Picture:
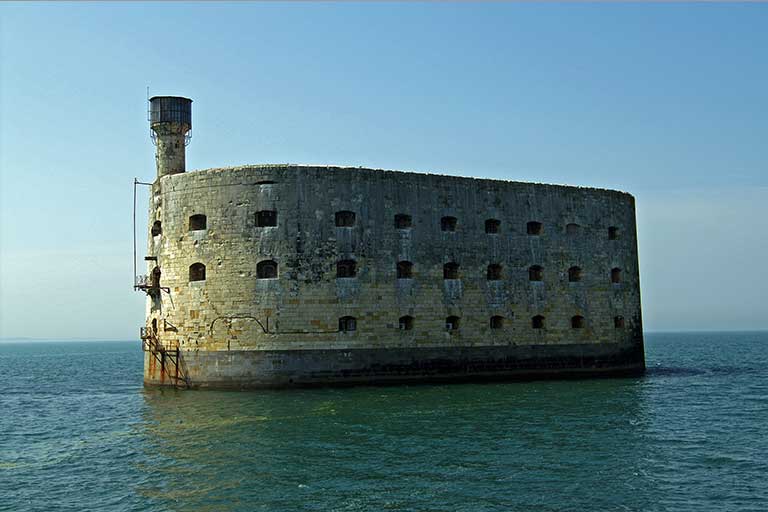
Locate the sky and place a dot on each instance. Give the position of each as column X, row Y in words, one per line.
column 665, row 101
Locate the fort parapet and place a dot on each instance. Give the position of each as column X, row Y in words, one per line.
column 281, row 275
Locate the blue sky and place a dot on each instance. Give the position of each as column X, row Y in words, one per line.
column 667, row 102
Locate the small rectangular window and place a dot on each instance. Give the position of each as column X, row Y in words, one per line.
column 404, row 270
column 572, row 229
column 198, row 222
column 266, row 218
column 347, row 324
column 534, row 228
column 492, row 226
column 345, row 219
column 346, row 268
column 448, row 223
column 402, row 221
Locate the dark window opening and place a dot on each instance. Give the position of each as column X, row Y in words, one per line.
column 266, row 218
column 448, row 223
column 155, row 281
column 451, row 271
column 534, row 228
column 537, row 322
column 265, row 182
column 572, row 229
column 574, row 274
column 497, row 322
column 404, row 270
column 154, row 325
column 157, row 228
column 618, row 322
column 615, row 275
column 577, row 322
column 406, row 323
column 198, row 222
column 613, row 233
column 197, row 272
column 494, row 272
column 535, row 273
column 266, row 269
column 452, row 323
column 347, row 324
column 345, row 219
column 492, row 226
column 346, row 268
column 402, row 221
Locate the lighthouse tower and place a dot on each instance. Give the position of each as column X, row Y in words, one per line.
column 170, row 119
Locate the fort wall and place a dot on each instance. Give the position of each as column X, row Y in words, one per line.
column 585, row 295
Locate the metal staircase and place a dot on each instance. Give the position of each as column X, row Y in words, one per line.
column 171, row 364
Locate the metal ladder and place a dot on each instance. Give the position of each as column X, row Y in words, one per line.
column 166, row 357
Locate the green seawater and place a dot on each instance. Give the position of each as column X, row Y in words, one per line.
column 78, row 432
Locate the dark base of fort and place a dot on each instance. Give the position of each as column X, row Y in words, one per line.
column 352, row 367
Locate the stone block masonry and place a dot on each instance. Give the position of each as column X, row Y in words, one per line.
column 286, row 275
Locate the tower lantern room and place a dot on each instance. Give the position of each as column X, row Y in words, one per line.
column 170, row 121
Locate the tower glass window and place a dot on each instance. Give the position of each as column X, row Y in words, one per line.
column 574, row 274
column 197, row 272
column 198, row 222
column 406, row 323
column 535, row 273
column 266, row 218
column 452, row 323
column 345, row 219
column 494, row 272
column 618, row 322
column 534, row 228
column 404, row 270
column 492, row 226
column 402, row 221
column 448, row 223
column 537, row 322
column 615, row 275
column 266, row 269
column 497, row 322
column 577, row 322
column 572, row 229
column 613, row 233
column 347, row 324
column 157, row 228
column 346, row 268
column 451, row 271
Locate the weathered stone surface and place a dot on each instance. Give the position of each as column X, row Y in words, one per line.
column 228, row 325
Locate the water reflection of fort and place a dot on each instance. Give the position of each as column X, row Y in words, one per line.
column 369, row 448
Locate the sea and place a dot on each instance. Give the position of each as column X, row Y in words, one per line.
column 78, row 432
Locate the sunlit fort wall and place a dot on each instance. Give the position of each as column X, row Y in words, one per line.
column 280, row 275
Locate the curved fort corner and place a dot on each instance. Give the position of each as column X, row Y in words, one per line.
column 288, row 275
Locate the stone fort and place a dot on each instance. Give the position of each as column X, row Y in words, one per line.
column 293, row 275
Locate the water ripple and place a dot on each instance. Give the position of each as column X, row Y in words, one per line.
column 78, row 432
